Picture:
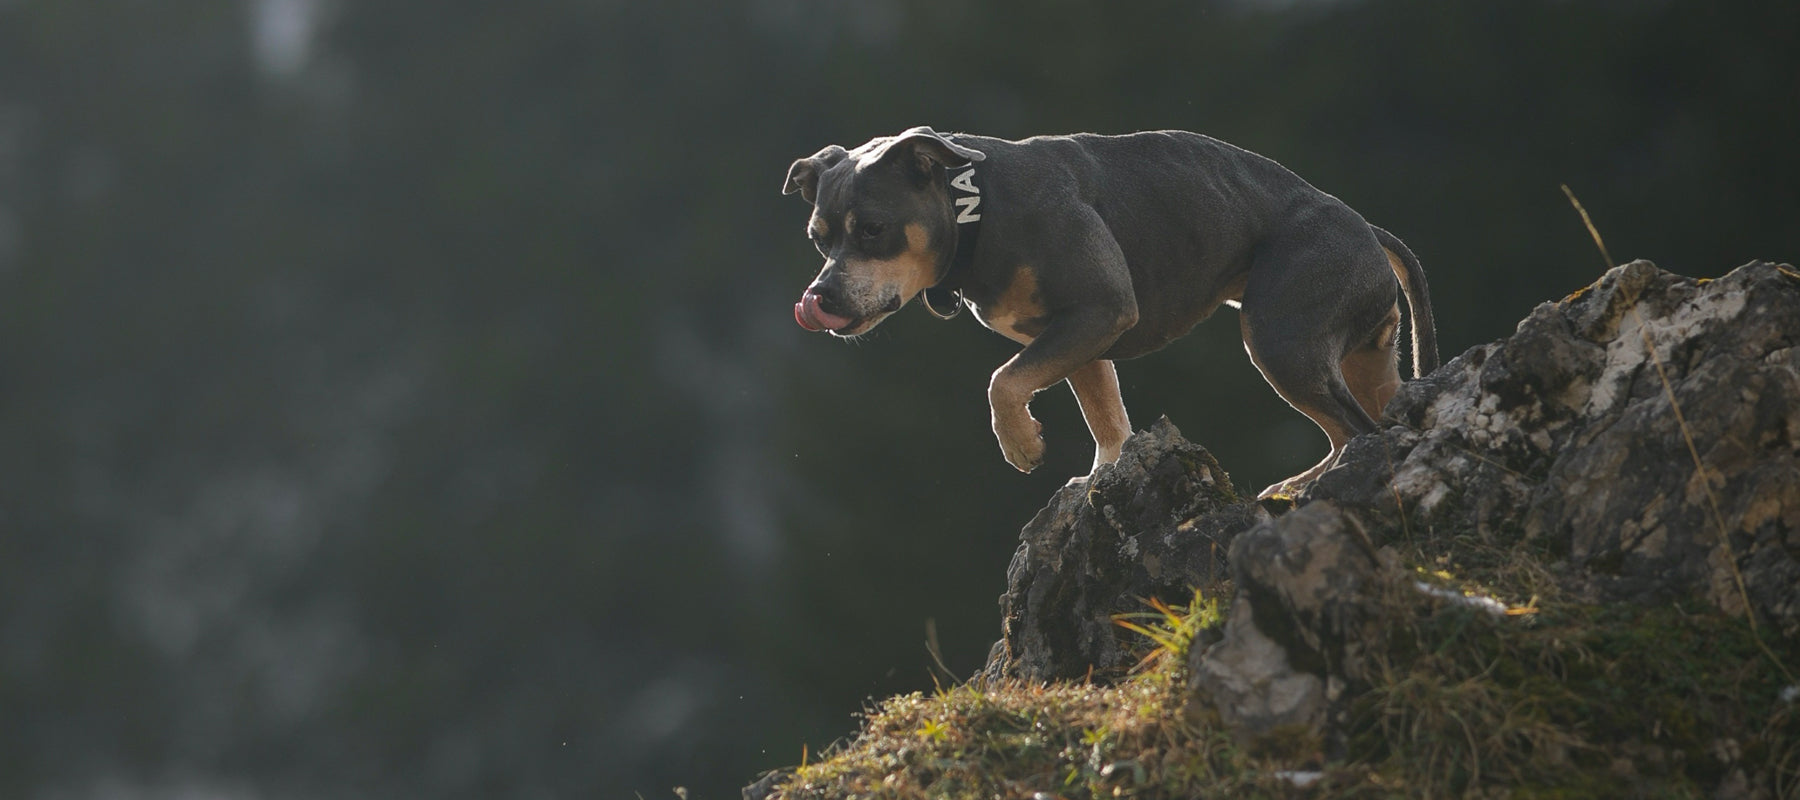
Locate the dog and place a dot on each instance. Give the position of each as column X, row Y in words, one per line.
column 1087, row 249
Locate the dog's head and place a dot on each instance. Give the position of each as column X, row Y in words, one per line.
column 883, row 220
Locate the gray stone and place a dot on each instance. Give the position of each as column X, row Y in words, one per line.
column 1567, row 436
column 1306, row 612
column 1156, row 523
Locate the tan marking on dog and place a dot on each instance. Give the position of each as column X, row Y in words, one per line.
column 872, row 285
column 818, row 227
column 1096, row 387
column 904, row 275
column 1018, row 306
column 1372, row 369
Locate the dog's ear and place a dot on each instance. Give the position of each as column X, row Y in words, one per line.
column 928, row 149
column 803, row 176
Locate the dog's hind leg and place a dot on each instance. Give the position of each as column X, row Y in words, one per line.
column 1096, row 387
column 1318, row 316
column 1314, row 387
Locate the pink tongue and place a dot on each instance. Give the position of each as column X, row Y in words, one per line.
column 800, row 316
column 813, row 318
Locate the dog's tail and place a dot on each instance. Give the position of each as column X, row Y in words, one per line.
column 1418, row 301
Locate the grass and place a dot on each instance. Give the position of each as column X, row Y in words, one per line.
column 1012, row 739
column 1554, row 699
column 1574, row 700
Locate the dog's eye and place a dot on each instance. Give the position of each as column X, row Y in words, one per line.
column 870, row 230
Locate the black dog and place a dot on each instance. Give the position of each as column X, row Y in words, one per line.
column 1086, row 249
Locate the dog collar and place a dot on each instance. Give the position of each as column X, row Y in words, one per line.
column 945, row 299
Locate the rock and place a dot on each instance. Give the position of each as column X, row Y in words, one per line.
column 1305, row 613
column 1566, row 438
column 1563, row 439
column 1155, row 523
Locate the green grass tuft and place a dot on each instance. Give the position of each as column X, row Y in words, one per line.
column 1069, row 740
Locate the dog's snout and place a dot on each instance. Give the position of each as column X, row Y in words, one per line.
column 821, row 308
column 830, row 280
column 830, row 296
column 829, row 288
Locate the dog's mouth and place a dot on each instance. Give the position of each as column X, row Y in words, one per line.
column 812, row 317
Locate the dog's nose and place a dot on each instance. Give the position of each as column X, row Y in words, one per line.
column 828, row 295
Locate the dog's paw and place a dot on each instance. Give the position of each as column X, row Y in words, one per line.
column 1022, row 444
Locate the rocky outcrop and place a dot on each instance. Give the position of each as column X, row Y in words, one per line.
column 1640, row 439
column 1644, row 433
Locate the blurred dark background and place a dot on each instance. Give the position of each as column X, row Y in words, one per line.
column 402, row 399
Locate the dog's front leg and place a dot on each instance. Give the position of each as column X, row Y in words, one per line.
column 1096, row 387
column 1071, row 342
column 1020, row 434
